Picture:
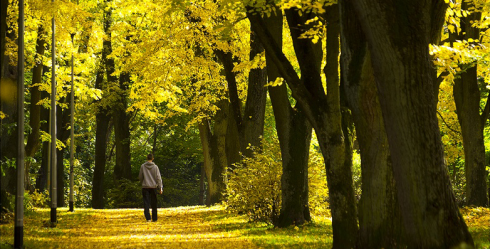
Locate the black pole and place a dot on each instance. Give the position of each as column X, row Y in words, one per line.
column 72, row 131
column 53, row 125
column 19, row 197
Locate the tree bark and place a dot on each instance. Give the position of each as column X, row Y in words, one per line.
column 467, row 99
column 33, row 141
column 323, row 113
column 102, row 129
column 214, row 152
column 294, row 133
column 398, row 34
column 379, row 214
column 63, row 122
column 122, row 168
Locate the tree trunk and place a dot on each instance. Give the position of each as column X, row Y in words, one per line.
column 379, row 214
column 122, row 168
column 214, row 151
column 252, row 125
column 398, row 34
column 102, row 129
column 33, row 141
column 467, row 98
column 42, row 175
column 63, row 122
column 294, row 133
column 323, row 112
column 8, row 105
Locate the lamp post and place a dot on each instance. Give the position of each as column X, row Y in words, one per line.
column 19, row 197
column 72, row 129
column 53, row 125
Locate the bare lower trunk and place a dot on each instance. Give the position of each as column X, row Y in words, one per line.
column 403, row 73
column 379, row 214
column 122, row 168
column 102, row 120
column 322, row 111
column 467, row 98
column 214, row 152
column 294, row 133
column 33, row 141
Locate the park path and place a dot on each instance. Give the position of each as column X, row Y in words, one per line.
column 183, row 227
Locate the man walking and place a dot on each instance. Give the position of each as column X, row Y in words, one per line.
column 150, row 179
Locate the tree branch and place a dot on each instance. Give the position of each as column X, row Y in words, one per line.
column 447, row 125
column 486, row 112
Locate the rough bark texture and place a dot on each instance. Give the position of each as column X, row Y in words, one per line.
column 252, row 124
column 122, row 168
column 102, row 120
column 467, row 98
column 379, row 214
column 247, row 128
column 294, row 133
column 214, row 151
column 398, row 34
column 33, row 141
column 323, row 113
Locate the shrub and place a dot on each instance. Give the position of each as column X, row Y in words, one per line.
column 127, row 194
column 254, row 186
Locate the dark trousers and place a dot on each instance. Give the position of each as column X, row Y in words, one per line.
column 150, row 198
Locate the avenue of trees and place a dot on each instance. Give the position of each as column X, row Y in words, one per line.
column 375, row 110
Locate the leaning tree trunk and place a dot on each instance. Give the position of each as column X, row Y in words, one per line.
column 467, row 97
column 294, row 133
column 379, row 214
column 398, row 34
column 323, row 113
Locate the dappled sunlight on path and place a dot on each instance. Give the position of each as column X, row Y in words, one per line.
column 182, row 227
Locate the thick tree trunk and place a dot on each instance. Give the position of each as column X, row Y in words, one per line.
column 245, row 130
column 379, row 214
column 214, row 152
column 323, row 112
column 467, row 98
column 252, row 124
column 122, row 168
column 294, row 133
column 398, row 35
column 102, row 129
column 8, row 105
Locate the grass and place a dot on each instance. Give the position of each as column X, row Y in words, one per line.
column 185, row 227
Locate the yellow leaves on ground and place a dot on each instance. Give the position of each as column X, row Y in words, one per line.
column 182, row 227
column 478, row 221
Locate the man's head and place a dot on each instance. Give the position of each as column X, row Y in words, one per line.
column 149, row 157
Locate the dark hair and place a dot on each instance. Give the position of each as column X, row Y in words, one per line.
column 150, row 157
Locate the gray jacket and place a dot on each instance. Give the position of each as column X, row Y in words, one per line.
column 150, row 176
